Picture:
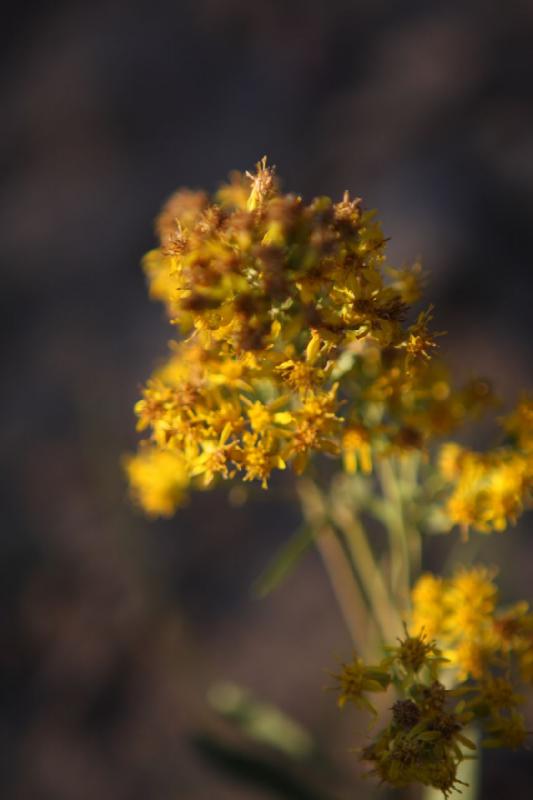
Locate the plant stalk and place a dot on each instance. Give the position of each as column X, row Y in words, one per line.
column 338, row 566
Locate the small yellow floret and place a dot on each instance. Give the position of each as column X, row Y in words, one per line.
column 158, row 480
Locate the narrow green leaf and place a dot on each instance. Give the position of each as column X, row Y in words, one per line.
column 276, row 779
column 261, row 721
column 284, row 561
column 466, row 741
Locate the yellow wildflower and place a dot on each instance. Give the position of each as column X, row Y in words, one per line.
column 158, row 480
column 470, row 600
column 415, row 653
column 470, row 657
column 263, row 184
column 450, row 460
column 462, row 614
column 260, row 456
column 428, row 609
column 420, row 341
column 356, row 449
column 355, row 680
column 290, row 314
column 490, row 490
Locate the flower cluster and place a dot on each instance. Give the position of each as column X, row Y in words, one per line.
column 294, row 340
column 490, row 490
column 425, row 738
column 423, row 741
column 475, row 634
column 356, row 680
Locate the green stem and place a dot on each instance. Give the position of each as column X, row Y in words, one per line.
column 369, row 572
column 409, row 466
column 466, row 550
column 339, row 567
column 398, row 538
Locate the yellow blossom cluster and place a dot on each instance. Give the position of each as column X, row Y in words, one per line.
column 159, row 478
column 475, row 634
column 486, row 646
column 424, row 740
column 294, row 340
column 490, row 490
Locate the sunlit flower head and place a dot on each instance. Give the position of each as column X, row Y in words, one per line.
column 295, row 337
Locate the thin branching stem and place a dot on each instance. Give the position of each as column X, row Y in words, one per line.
column 397, row 530
column 339, row 567
column 369, row 572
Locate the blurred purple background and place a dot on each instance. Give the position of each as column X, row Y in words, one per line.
column 114, row 628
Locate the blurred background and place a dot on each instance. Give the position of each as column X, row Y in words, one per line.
column 114, row 628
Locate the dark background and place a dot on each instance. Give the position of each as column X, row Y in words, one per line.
column 113, row 628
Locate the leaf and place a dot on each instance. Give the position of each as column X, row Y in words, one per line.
column 256, row 770
column 261, row 721
column 466, row 741
column 429, row 736
column 284, row 561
